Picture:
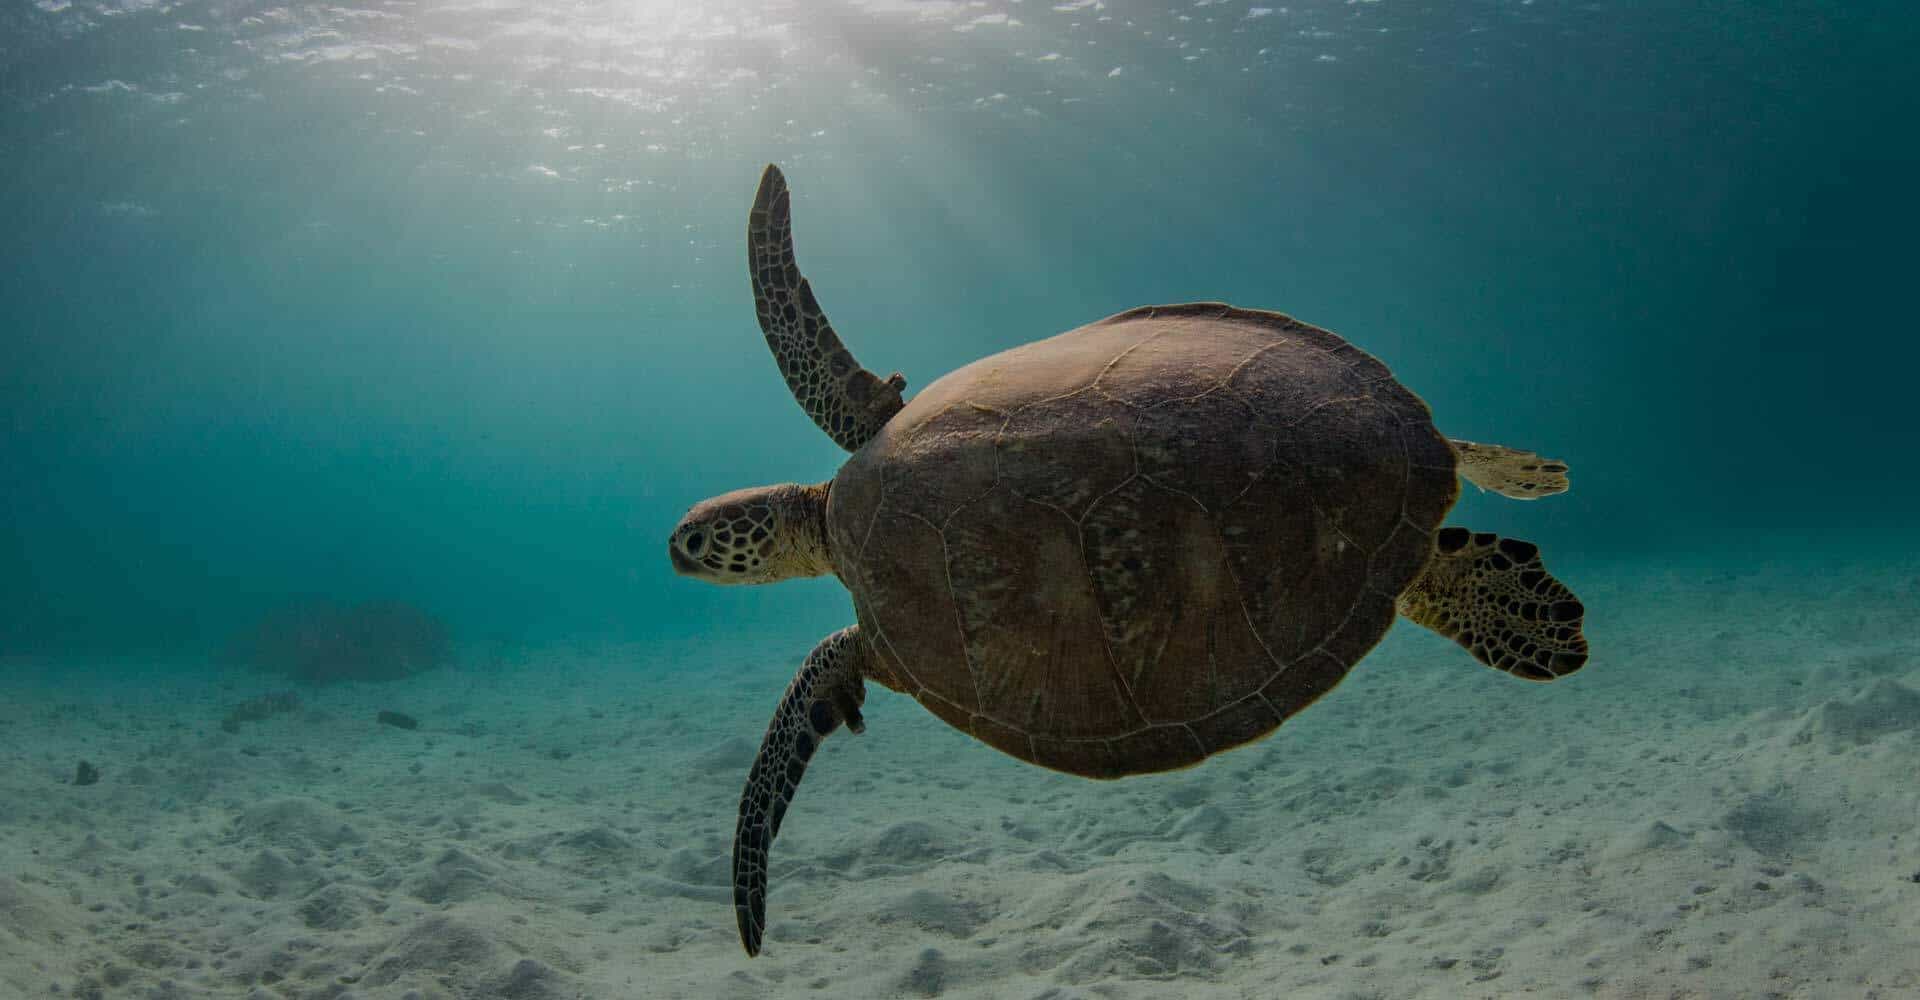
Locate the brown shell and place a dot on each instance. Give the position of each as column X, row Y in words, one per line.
column 1142, row 542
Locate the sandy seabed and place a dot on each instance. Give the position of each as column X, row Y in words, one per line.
column 1725, row 803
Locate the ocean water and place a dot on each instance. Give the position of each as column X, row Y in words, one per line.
column 444, row 305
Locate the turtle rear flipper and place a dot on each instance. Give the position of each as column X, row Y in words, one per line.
column 826, row 692
column 1510, row 472
column 1492, row 596
column 849, row 402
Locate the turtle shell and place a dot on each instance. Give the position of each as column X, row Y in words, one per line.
column 1138, row 543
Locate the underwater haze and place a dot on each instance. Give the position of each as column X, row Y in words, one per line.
column 407, row 331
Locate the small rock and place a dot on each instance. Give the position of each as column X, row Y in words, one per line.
column 927, row 976
column 398, row 720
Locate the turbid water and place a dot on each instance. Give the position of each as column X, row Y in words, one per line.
column 359, row 359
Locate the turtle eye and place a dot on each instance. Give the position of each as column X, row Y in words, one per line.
column 695, row 543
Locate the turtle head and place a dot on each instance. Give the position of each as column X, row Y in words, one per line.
column 757, row 535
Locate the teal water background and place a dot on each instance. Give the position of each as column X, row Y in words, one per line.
column 446, row 302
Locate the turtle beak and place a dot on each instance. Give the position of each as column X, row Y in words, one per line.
column 681, row 564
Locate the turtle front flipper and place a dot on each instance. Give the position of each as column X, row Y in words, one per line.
column 849, row 402
column 828, row 691
column 1493, row 596
column 1510, row 472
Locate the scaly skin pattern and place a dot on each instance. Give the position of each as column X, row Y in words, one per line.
column 759, row 535
column 1494, row 597
column 826, row 693
column 848, row 402
column 1510, row 472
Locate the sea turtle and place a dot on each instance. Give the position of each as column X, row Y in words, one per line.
column 1119, row 550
